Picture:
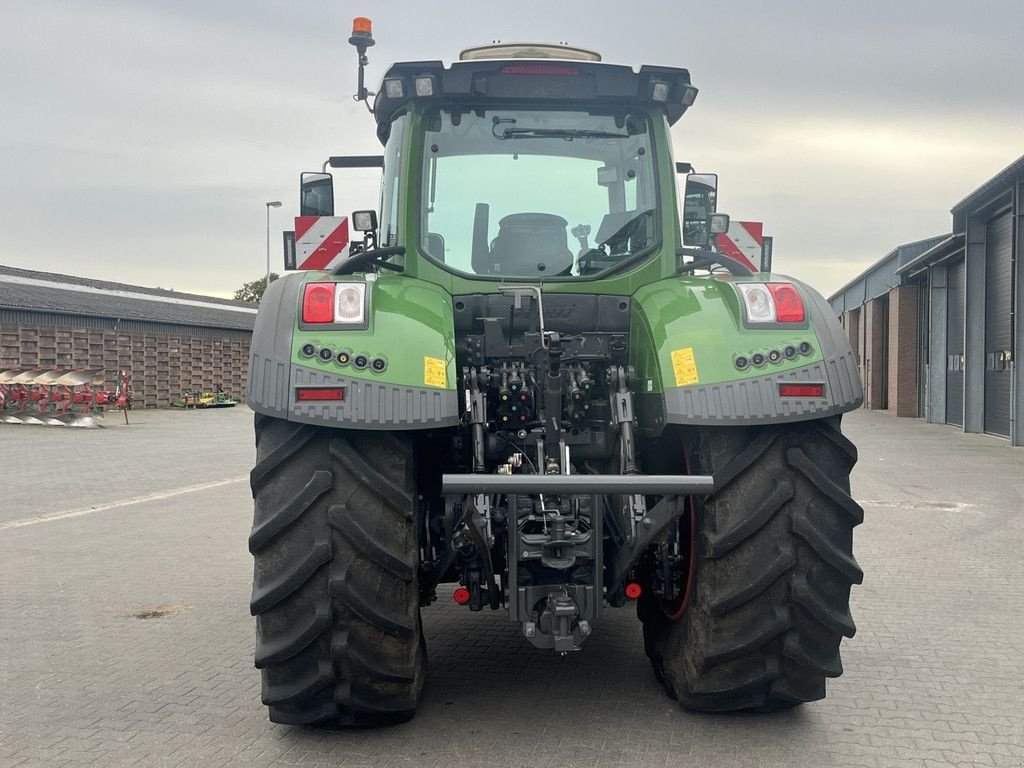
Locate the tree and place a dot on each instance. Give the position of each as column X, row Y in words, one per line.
column 253, row 292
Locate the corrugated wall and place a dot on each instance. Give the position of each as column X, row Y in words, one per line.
column 162, row 364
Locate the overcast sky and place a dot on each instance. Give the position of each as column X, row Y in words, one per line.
column 140, row 140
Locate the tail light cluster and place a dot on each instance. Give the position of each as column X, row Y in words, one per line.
column 334, row 304
column 771, row 303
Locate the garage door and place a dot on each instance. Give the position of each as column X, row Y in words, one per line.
column 955, row 284
column 998, row 303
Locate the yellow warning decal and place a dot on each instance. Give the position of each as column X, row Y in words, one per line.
column 435, row 372
column 685, row 367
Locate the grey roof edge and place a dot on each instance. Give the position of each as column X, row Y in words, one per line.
column 215, row 325
column 951, row 244
column 994, row 184
column 110, row 285
column 874, row 265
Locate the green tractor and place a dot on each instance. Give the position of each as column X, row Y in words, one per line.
column 537, row 382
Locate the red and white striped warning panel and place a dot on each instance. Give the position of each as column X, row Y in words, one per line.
column 321, row 242
column 744, row 242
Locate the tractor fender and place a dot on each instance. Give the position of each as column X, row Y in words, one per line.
column 694, row 358
column 409, row 328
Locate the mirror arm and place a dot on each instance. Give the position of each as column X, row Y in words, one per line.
column 350, row 264
column 705, row 257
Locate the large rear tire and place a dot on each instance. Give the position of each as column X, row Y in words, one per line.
column 774, row 565
column 339, row 639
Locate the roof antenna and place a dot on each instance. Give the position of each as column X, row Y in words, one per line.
column 362, row 38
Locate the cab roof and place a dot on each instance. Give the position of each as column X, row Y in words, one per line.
column 544, row 82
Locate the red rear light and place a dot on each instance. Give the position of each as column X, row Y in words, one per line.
column 802, row 390
column 461, row 595
column 633, row 590
column 789, row 307
column 538, row 69
column 318, row 303
column 308, row 394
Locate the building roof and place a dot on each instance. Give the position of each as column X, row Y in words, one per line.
column 950, row 245
column 29, row 290
column 997, row 183
column 901, row 255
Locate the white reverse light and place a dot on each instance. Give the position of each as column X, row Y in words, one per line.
column 350, row 303
column 757, row 299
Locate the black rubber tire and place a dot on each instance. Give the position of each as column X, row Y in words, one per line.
column 339, row 639
column 774, row 567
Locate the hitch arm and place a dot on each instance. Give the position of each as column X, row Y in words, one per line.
column 659, row 517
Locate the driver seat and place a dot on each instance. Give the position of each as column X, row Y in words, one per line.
column 528, row 244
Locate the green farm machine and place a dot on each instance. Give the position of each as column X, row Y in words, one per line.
column 535, row 381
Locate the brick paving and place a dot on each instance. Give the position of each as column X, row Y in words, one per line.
column 934, row 676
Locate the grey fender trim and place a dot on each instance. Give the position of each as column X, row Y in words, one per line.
column 757, row 400
column 368, row 404
column 270, row 350
column 374, row 404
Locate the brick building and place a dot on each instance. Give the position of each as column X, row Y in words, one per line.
column 935, row 323
column 169, row 342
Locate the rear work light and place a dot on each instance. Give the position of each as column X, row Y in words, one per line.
column 801, row 390
column 394, row 88
column 424, row 85
column 334, row 303
column 771, row 303
column 319, row 394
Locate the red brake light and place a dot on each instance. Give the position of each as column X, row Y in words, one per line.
column 633, row 590
column 789, row 307
column 461, row 595
column 802, row 390
column 318, row 303
column 538, row 69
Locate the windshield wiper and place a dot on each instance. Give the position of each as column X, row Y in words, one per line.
column 555, row 133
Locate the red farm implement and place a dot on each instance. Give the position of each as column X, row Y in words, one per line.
column 59, row 397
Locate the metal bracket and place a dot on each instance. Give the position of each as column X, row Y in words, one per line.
column 518, row 292
column 658, row 518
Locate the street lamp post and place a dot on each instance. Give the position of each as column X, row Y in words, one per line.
column 271, row 204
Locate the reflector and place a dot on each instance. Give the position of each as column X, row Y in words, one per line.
column 307, row 394
column 801, row 390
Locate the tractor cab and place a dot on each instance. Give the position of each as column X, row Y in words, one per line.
column 524, row 162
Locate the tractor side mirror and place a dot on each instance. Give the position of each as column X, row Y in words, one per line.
column 700, row 198
column 316, row 194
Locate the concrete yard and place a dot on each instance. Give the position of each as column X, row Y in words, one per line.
column 126, row 640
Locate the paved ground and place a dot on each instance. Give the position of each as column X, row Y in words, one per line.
column 125, row 637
